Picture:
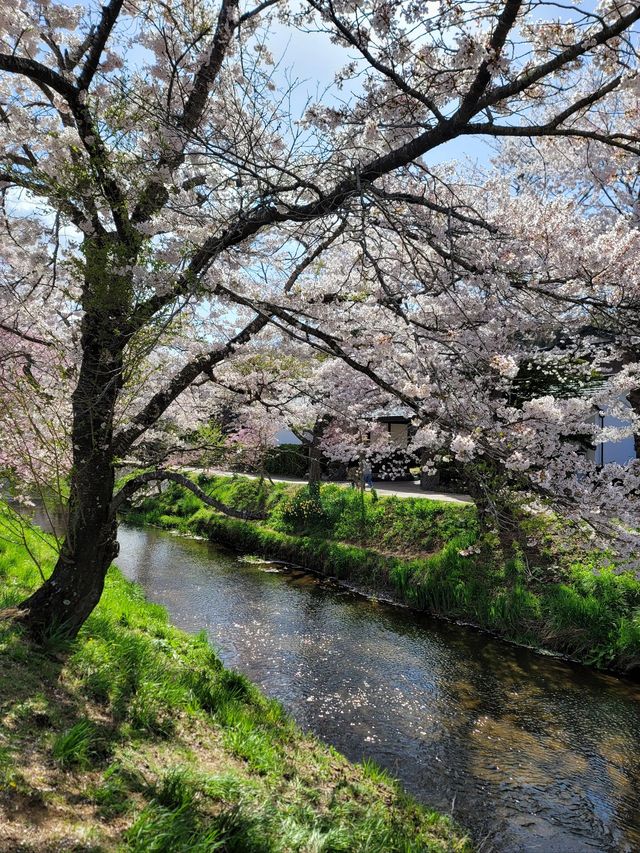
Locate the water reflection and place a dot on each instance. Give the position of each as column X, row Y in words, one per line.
column 532, row 754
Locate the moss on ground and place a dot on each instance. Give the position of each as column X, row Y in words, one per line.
column 432, row 556
column 135, row 738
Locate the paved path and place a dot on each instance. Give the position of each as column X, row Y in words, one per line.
column 406, row 489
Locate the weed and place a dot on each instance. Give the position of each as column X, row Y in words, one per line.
column 173, row 820
column 373, row 771
column 113, row 795
column 77, row 746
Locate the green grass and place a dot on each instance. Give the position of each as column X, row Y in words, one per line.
column 78, row 746
column 137, row 739
column 559, row 596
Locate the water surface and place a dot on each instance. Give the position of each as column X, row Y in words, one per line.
column 529, row 753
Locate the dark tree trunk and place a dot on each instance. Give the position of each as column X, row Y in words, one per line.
column 63, row 603
column 315, row 468
column 315, row 455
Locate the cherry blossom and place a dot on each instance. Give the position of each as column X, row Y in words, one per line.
column 168, row 209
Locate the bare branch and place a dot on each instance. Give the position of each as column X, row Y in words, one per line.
column 24, row 336
column 133, row 485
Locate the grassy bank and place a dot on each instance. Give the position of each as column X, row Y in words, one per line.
column 135, row 738
column 432, row 556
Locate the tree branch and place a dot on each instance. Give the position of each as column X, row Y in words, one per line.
column 331, row 344
column 269, row 214
column 98, row 41
column 39, row 74
column 613, row 141
column 205, row 363
column 497, row 41
column 161, row 401
column 259, row 8
column 154, row 196
column 24, row 336
column 387, row 72
column 313, row 256
column 132, row 486
column 564, row 58
column 207, row 73
column 86, row 127
column 423, row 201
column 553, row 126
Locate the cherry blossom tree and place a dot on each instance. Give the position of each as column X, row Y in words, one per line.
column 163, row 203
column 604, row 184
column 486, row 336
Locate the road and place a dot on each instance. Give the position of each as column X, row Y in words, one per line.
column 408, row 489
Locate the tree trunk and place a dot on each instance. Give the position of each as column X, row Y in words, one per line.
column 63, row 603
column 315, row 468
column 315, row 455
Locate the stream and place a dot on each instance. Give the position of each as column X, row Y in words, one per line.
column 528, row 752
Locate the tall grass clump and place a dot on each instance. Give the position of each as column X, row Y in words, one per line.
column 78, row 746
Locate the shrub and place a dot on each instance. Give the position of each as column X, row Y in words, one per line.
column 303, row 512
